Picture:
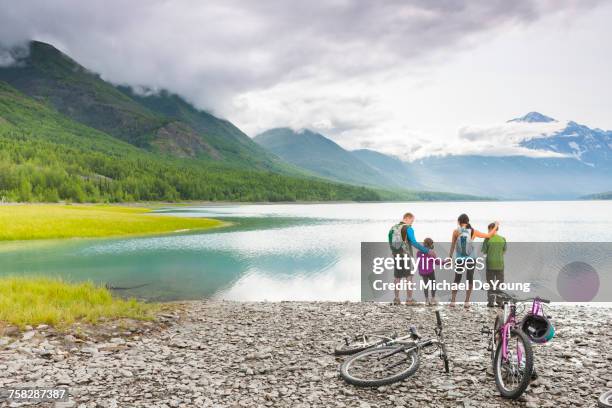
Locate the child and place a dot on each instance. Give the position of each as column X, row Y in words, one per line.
column 426, row 263
column 494, row 248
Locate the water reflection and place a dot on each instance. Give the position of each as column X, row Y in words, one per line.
column 285, row 252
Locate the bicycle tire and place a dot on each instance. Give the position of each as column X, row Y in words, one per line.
column 343, row 350
column 514, row 394
column 364, row 382
column 605, row 400
column 496, row 326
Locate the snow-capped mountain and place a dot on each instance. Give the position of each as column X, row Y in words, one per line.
column 533, row 117
column 593, row 147
column 581, row 163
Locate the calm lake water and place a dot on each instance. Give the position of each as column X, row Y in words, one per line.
column 286, row 252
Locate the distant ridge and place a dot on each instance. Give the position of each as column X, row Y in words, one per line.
column 320, row 155
column 582, row 163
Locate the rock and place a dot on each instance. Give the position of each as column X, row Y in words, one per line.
column 28, row 335
column 126, row 373
column 262, row 354
column 11, row 331
column 63, row 381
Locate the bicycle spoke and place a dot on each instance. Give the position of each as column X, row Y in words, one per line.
column 375, row 366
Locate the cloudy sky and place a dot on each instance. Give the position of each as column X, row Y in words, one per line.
column 407, row 77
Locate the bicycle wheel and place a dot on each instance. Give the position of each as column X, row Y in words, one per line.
column 496, row 326
column 512, row 376
column 357, row 344
column 380, row 366
column 445, row 359
column 605, row 400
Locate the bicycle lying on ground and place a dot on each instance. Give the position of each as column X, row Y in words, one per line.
column 510, row 343
column 382, row 360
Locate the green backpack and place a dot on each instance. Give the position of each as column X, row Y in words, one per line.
column 396, row 243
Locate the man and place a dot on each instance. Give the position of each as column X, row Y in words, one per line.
column 401, row 241
column 494, row 248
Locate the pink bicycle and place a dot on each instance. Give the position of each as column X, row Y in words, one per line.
column 510, row 344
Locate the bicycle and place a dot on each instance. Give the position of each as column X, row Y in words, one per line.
column 510, row 347
column 390, row 359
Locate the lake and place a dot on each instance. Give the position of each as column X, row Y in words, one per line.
column 285, row 251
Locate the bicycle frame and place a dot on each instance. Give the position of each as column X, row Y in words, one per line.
column 509, row 318
column 509, row 324
column 413, row 343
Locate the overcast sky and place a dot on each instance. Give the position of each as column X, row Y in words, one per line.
column 406, row 77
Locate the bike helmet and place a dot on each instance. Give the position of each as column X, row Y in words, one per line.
column 538, row 328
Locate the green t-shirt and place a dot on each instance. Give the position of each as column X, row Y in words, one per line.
column 495, row 247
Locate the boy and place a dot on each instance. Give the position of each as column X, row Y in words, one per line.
column 494, row 248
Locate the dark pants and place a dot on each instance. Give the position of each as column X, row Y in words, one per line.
column 493, row 275
column 426, row 278
column 401, row 271
column 469, row 275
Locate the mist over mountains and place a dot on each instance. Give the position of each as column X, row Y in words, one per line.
column 576, row 161
column 66, row 134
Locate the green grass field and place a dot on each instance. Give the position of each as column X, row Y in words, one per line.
column 33, row 301
column 42, row 221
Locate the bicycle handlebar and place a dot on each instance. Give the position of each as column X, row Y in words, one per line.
column 515, row 299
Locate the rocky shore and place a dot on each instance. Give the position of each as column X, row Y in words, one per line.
column 228, row 354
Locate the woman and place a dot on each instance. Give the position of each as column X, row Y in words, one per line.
column 462, row 245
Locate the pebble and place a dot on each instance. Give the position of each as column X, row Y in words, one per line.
column 258, row 354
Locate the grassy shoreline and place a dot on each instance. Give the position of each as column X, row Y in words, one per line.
column 54, row 221
column 40, row 300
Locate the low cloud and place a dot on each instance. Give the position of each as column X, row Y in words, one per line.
column 318, row 64
column 509, row 133
column 484, row 140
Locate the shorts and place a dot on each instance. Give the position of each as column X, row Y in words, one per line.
column 468, row 272
column 400, row 271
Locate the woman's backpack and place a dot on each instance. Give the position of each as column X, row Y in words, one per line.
column 465, row 245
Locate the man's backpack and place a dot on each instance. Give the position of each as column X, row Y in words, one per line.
column 396, row 241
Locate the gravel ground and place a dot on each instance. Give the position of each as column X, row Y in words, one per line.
column 231, row 354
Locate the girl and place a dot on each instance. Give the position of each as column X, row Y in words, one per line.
column 463, row 249
column 426, row 263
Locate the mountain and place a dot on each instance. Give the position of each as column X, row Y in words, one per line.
column 224, row 139
column 68, row 135
column 592, row 147
column 533, row 117
column 598, row 196
column 163, row 123
column 584, row 169
column 581, row 164
column 321, row 156
column 391, row 167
